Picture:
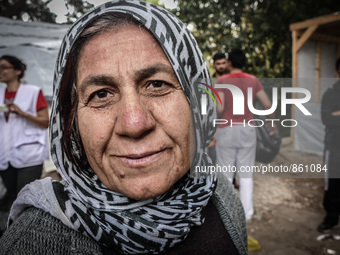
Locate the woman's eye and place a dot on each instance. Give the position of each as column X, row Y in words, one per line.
column 100, row 94
column 158, row 88
column 157, row 84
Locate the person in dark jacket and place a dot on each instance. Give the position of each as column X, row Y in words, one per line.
column 330, row 113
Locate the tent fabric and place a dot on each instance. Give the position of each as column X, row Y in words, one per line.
column 37, row 44
column 310, row 131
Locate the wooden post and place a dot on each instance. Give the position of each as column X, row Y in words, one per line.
column 338, row 56
column 301, row 33
column 318, row 72
column 305, row 36
column 295, row 76
column 295, row 57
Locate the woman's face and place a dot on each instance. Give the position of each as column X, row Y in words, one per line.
column 133, row 116
column 7, row 72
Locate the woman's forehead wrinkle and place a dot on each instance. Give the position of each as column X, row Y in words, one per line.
column 153, row 69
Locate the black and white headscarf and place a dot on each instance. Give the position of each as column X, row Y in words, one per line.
column 83, row 203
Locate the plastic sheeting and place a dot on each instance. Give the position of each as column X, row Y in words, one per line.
column 309, row 134
column 310, row 131
column 37, row 44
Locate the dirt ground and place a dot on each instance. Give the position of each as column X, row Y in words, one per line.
column 289, row 209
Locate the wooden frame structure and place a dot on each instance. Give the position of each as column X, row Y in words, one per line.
column 320, row 29
column 323, row 29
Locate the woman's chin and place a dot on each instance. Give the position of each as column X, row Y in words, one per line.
column 145, row 188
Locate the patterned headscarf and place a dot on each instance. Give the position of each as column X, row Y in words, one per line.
column 83, row 202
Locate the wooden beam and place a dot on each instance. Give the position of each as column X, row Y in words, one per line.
column 295, row 55
column 338, row 56
column 320, row 37
column 325, row 38
column 305, row 36
column 315, row 22
column 295, row 76
column 318, row 72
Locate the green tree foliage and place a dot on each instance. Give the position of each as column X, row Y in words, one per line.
column 79, row 7
column 36, row 10
column 76, row 9
column 259, row 27
column 156, row 2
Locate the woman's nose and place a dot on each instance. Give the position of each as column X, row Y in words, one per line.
column 134, row 118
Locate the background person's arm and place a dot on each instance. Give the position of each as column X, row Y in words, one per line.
column 266, row 103
column 220, row 108
column 41, row 120
column 337, row 113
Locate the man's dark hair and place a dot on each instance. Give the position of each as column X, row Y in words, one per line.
column 337, row 65
column 219, row 55
column 237, row 58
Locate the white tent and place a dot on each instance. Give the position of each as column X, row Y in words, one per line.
column 37, row 44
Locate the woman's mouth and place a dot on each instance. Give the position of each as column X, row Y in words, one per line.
column 141, row 159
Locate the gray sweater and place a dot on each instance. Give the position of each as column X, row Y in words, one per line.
column 37, row 232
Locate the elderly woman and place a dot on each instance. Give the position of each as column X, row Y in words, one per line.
column 125, row 131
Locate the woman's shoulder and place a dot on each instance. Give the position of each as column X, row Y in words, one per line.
column 38, row 232
column 231, row 212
